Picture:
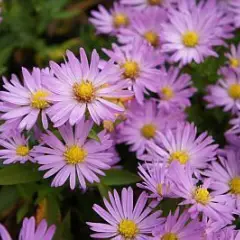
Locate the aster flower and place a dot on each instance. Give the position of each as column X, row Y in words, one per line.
column 217, row 207
column 226, row 92
column 183, row 146
column 78, row 88
column 234, row 57
column 194, row 30
column 109, row 22
column 155, row 180
column 124, row 220
column 75, row 158
column 233, row 7
column 175, row 89
column 15, row 148
column 179, row 226
column 137, row 66
column 143, row 123
column 145, row 25
column 26, row 102
column 30, row 231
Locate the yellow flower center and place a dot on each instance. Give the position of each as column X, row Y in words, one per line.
column 128, row 229
column 169, row 236
column 38, row 99
column 190, row 39
column 201, row 195
column 22, row 151
column 159, row 189
column 180, row 156
column 234, row 91
column 167, row 93
column 234, row 62
column 154, row 2
column 152, row 38
column 148, row 131
column 120, row 20
column 131, row 69
column 84, row 91
column 75, row 154
column 234, row 185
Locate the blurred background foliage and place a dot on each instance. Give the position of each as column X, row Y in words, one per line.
column 32, row 33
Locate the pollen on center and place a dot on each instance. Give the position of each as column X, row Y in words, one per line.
column 201, row 195
column 75, row 154
column 120, row 20
column 39, row 99
column 84, row 91
column 234, row 185
column 234, row 91
column 169, row 236
column 167, row 93
column 148, row 131
column 131, row 69
column 180, row 156
column 152, row 38
column 128, row 229
column 22, row 150
column 234, row 62
column 154, row 2
column 190, row 39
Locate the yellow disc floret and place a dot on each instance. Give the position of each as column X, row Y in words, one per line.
column 169, row 236
column 120, row 20
column 201, row 195
column 131, row 69
column 84, row 91
column 148, row 131
column 234, row 62
column 190, row 39
column 38, row 99
column 128, row 229
column 234, row 91
column 167, row 93
column 75, row 154
column 181, row 156
column 159, row 189
column 152, row 38
column 154, row 2
column 22, row 150
column 234, row 185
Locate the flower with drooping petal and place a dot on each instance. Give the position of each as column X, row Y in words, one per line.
column 31, row 231
column 26, row 102
column 184, row 146
column 75, row 158
column 125, row 220
column 138, row 66
column 78, row 88
column 175, row 89
column 144, row 122
column 226, row 92
column 109, row 22
column 201, row 199
column 15, row 148
column 234, row 57
column 179, row 226
column 194, row 29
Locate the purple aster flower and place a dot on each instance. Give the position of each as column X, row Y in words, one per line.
column 137, row 66
column 226, row 92
column 76, row 157
column 233, row 7
column 145, row 25
column 234, row 57
column 31, row 231
column 194, row 29
column 124, row 220
column 78, row 88
column 15, row 148
column 175, row 89
column 179, row 227
column 109, row 22
column 217, row 207
column 143, row 124
column 184, row 146
column 26, row 102
column 155, row 180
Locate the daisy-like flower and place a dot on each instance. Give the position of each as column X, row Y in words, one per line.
column 145, row 25
column 15, row 148
column 75, row 158
column 124, row 220
column 110, row 22
column 233, row 7
column 144, row 122
column 27, row 102
column 137, row 66
column 226, row 92
column 234, row 57
column 184, row 146
column 78, row 88
column 155, row 180
column 30, row 231
column 217, row 207
column 175, row 89
column 194, row 29
column 179, row 227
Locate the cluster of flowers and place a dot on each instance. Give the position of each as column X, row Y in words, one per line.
column 141, row 88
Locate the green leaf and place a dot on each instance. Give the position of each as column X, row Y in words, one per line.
column 19, row 173
column 103, row 189
column 93, row 135
column 21, row 213
column 118, row 177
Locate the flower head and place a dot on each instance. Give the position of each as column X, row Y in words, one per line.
column 234, row 57
column 124, row 220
